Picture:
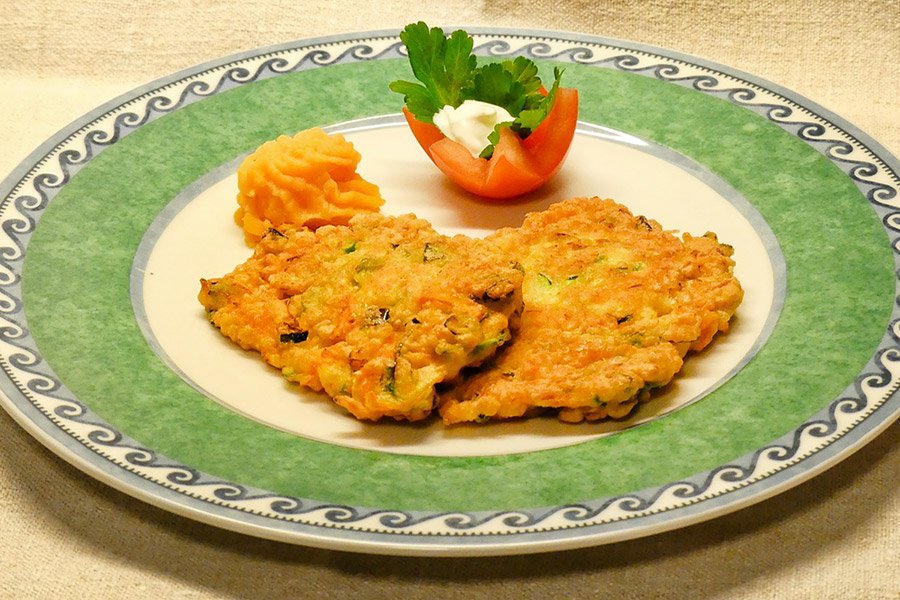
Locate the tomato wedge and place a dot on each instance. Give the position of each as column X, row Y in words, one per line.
column 517, row 166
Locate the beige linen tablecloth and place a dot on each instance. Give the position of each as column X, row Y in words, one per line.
column 64, row 535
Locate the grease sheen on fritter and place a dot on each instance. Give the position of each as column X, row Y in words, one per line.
column 613, row 302
column 375, row 313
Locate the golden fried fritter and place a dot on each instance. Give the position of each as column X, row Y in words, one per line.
column 612, row 304
column 375, row 313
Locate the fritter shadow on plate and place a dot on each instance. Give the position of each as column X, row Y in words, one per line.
column 612, row 304
column 375, row 313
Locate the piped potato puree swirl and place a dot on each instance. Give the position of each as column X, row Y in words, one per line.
column 307, row 180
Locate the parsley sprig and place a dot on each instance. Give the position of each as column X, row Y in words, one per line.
column 449, row 74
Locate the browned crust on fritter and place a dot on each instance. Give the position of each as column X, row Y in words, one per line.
column 375, row 313
column 612, row 304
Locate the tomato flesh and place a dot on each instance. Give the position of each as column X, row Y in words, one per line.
column 517, row 166
column 549, row 142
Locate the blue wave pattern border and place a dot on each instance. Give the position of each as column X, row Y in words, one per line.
column 35, row 390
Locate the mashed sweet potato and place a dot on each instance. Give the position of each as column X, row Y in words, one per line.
column 308, row 180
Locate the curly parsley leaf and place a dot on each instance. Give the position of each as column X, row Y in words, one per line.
column 525, row 72
column 449, row 74
column 528, row 119
column 537, row 106
column 494, row 83
column 445, row 66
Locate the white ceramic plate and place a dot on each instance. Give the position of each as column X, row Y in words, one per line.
column 108, row 358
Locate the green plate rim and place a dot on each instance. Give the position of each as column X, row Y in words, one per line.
column 76, row 433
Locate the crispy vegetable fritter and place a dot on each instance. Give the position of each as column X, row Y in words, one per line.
column 612, row 305
column 375, row 313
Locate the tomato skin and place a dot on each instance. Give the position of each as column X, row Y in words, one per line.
column 455, row 160
column 511, row 170
column 517, row 166
column 425, row 133
column 550, row 141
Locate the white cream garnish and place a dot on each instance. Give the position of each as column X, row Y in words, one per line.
column 471, row 123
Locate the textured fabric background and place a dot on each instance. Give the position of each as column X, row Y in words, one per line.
column 65, row 535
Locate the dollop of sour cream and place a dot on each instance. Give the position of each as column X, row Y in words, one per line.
column 471, row 123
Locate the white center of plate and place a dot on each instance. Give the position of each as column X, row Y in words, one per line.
column 196, row 237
